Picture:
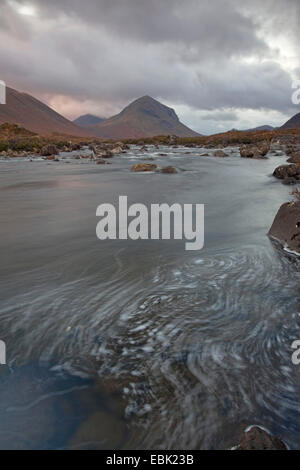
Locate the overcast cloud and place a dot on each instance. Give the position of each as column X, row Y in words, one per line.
column 219, row 63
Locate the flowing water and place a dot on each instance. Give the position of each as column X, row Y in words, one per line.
column 122, row 344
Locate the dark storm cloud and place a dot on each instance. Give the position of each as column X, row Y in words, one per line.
column 210, row 26
column 208, row 55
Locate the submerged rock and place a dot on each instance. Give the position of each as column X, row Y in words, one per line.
column 168, row 170
column 51, row 158
column 286, row 226
column 144, row 167
column 256, row 438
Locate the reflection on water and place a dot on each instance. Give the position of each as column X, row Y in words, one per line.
column 123, row 344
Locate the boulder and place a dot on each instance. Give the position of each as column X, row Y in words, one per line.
column 263, row 148
column 116, row 150
column 220, row 153
column 257, row 438
column 74, row 147
column 172, row 139
column 144, row 167
column 168, row 170
column 257, row 151
column 294, row 158
column 283, row 172
column 286, row 226
column 49, row 150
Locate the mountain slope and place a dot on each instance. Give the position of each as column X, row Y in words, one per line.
column 27, row 111
column 87, row 120
column 144, row 117
column 293, row 123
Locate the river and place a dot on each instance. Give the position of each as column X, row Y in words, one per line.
column 123, row 344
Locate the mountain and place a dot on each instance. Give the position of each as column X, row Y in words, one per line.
column 87, row 120
column 293, row 123
column 144, row 117
column 27, row 111
column 262, row 128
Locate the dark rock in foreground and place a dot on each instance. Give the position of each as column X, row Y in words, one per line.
column 257, row 439
column 286, row 226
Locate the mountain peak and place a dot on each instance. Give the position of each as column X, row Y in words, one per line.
column 144, row 117
column 88, row 120
column 27, row 111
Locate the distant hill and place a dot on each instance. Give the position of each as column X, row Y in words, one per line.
column 262, row 128
column 293, row 123
column 87, row 120
column 144, row 117
column 27, row 111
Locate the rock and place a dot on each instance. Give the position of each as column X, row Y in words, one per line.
column 116, row 150
column 204, row 155
column 263, row 148
column 101, row 161
column 144, row 167
column 294, row 158
column 49, row 150
column 168, row 170
column 257, row 439
column 246, row 151
column 286, row 226
column 220, row 153
column 287, row 171
column 108, row 154
column 74, row 147
column 162, row 154
column 172, row 139
column 51, row 157
column 257, row 151
column 290, row 180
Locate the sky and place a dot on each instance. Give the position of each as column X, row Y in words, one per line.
column 221, row 64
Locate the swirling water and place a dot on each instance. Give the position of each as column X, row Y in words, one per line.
column 141, row 344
